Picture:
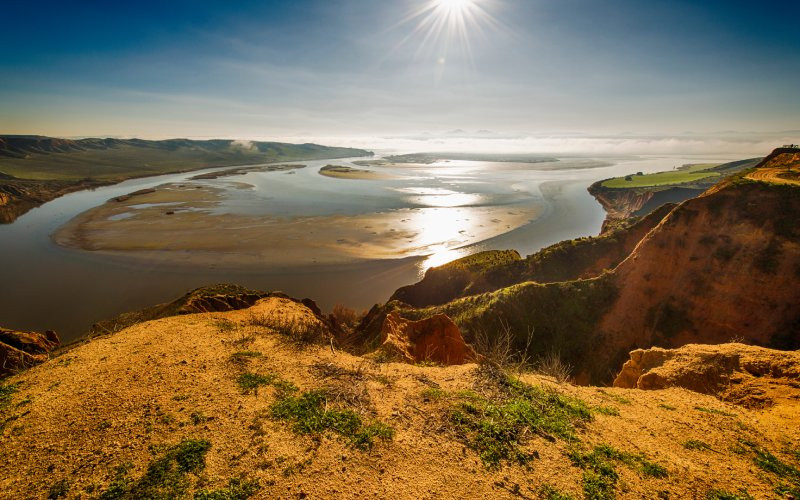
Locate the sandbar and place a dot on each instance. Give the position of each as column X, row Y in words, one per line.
column 343, row 172
column 178, row 222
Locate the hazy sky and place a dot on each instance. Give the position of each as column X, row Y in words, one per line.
column 337, row 68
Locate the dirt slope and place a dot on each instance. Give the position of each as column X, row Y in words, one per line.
column 105, row 417
column 721, row 266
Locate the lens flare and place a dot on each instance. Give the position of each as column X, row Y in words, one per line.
column 447, row 25
column 454, row 7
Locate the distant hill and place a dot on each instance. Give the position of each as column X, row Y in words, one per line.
column 48, row 158
column 37, row 169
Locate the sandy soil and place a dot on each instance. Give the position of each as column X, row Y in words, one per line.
column 119, row 399
column 177, row 222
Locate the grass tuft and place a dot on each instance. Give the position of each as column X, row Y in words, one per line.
column 165, row 476
column 726, row 495
column 547, row 492
column 600, row 475
column 6, row 394
column 606, row 410
column 497, row 428
column 309, row 413
column 237, row 489
column 250, row 382
column 198, row 418
column 768, row 462
column 694, row 444
column 300, row 332
column 59, row 489
column 714, row 411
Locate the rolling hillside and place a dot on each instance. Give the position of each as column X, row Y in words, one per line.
column 35, row 169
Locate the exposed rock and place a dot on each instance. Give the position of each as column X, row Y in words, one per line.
column 212, row 298
column 312, row 305
column 219, row 302
column 22, row 350
column 436, row 339
column 739, row 373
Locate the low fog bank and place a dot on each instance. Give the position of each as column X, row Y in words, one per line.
column 487, row 142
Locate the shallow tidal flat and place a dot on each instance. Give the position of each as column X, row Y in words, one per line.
column 193, row 222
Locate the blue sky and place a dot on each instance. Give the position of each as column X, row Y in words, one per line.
column 363, row 68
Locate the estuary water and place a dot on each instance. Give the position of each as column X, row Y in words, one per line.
column 47, row 286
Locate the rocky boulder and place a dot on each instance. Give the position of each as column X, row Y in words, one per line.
column 436, row 339
column 22, row 350
column 738, row 373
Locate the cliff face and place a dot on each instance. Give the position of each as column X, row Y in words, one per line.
column 489, row 271
column 621, row 203
column 722, row 266
column 624, row 203
column 18, row 196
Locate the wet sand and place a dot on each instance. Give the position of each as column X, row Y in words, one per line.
column 343, row 172
column 178, row 222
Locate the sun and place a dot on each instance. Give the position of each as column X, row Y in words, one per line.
column 448, row 25
column 454, row 7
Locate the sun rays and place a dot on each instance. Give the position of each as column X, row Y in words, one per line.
column 446, row 27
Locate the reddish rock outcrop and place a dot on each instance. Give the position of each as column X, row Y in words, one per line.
column 22, row 350
column 436, row 339
column 747, row 375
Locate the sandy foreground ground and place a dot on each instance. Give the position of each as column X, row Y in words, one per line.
column 75, row 420
column 178, row 221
